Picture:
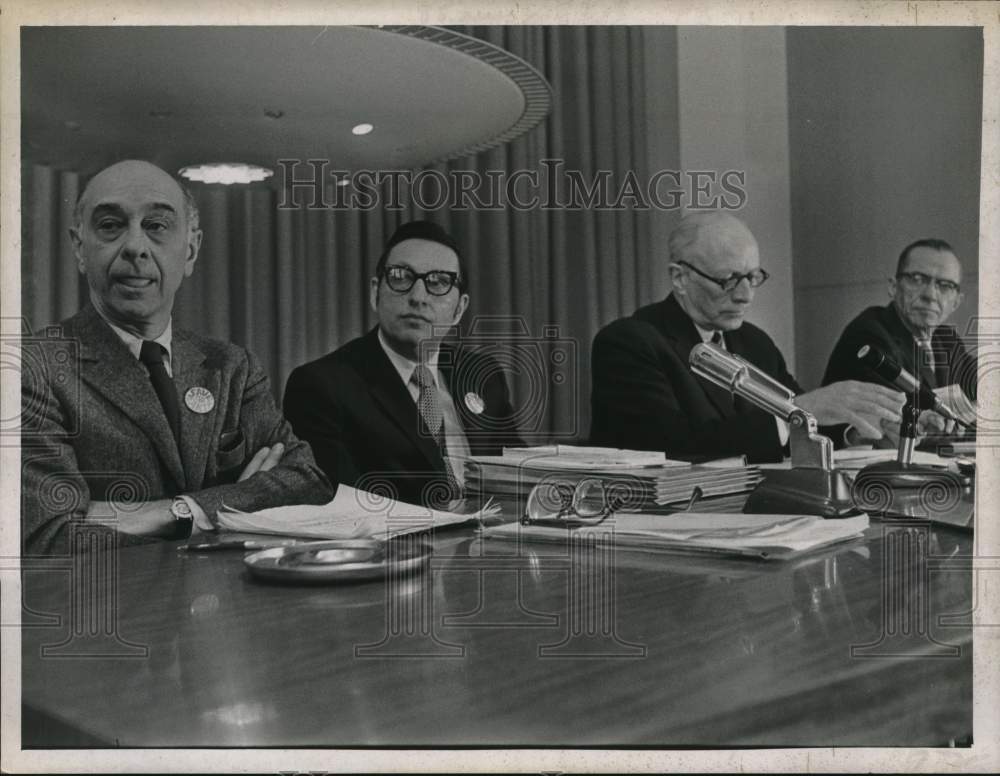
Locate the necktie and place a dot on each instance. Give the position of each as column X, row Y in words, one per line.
column 151, row 354
column 925, row 362
column 725, row 397
column 429, row 406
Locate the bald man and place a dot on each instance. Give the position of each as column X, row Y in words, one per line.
column 132, row 425
column 644, row 394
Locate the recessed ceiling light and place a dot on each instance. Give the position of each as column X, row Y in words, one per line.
column 226, row 172
column 362, row 129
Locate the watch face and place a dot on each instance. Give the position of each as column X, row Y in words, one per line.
column 181, row 510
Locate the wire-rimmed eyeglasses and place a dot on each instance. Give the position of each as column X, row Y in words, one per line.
column 561, row 503
column 401, row 279
column 919, row 279
column 755, row 278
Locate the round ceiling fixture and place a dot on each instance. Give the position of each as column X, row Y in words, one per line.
column 226, row 173
column 362, row 129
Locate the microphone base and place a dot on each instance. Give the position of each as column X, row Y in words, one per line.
column 890, row 488
column 804, row 491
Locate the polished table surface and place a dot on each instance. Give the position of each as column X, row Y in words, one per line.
column 499, row 643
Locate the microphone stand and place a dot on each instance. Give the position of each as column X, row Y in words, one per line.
column 812, row 486
column 905, row 489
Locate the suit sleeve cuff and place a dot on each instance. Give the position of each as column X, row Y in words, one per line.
column 201, row 521
column 782, row 431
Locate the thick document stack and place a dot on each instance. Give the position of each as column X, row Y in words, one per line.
column 646, row 481
column 764, row 537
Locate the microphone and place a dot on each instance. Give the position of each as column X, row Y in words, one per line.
column 886, row 368
column 729, row 371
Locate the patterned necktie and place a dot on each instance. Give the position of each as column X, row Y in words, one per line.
column 718, row 340
column 429, row 406
column 151, row 354
column 925, row 363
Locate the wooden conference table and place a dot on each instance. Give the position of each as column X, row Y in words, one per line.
column 865, row 644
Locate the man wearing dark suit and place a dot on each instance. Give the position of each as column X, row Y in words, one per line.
column 398, row 408
column 644, row 394
column 911, row 328
column 129, row 423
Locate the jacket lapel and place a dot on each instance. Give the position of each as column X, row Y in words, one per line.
column 388, row 391
column 682, row 334
column 109, row 368
column 193, row 370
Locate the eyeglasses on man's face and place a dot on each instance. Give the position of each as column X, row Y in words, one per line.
column 560, row 503
column 920, row 280
column 755, row 278
column 401, row 279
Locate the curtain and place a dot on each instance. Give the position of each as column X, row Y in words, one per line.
column 291, row 284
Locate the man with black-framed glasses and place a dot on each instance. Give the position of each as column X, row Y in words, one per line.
column 398, row 409
column 645, row 395
column 911, row 329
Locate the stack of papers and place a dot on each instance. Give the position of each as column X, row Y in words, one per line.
column 767, row 537
column 353, row 514
column 651, row 478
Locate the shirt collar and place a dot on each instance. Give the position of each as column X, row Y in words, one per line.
column 705, row 334
column 134, row 343
column 404, row 365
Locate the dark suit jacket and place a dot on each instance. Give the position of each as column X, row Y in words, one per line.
column 882, row 327
column 364, row 427
column 645, row 396
column 93, row 429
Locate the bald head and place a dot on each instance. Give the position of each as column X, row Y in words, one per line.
column 709, row 238
column 706, row 251
column 135, row 239
column 132, row 170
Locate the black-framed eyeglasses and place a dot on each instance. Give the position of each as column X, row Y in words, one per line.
column 755, row 278
column 561, row 503
column 401, row 279
column 920, row 280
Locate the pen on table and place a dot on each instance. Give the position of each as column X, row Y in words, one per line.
column 239, row 544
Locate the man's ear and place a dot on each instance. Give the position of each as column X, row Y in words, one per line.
column 77, row 241
column 678, row 278
column 893, row 286
column 373, row 294
column 460, row 308
column 194, row 245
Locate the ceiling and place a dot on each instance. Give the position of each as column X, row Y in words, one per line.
column 189, row 95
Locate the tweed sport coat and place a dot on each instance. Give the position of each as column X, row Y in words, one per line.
column 93, row 429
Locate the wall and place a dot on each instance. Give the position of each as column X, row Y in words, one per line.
column 885, row 128
column 733, row 115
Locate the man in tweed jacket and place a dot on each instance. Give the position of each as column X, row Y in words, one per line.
column 100, row 444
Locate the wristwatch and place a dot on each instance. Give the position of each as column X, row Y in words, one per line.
column 183, row 518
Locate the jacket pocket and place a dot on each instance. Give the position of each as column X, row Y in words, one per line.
column 231, row 451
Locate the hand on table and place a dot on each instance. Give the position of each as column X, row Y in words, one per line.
column 264, row 460
column 866, row 406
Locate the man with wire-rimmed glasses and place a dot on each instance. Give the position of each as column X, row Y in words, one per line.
column 924, row 293
column 646, row 397
column 399, row 408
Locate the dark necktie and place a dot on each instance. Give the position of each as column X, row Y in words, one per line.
column 925, row 363
column 727, row 398
column 429, row 406
column 151, row 354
